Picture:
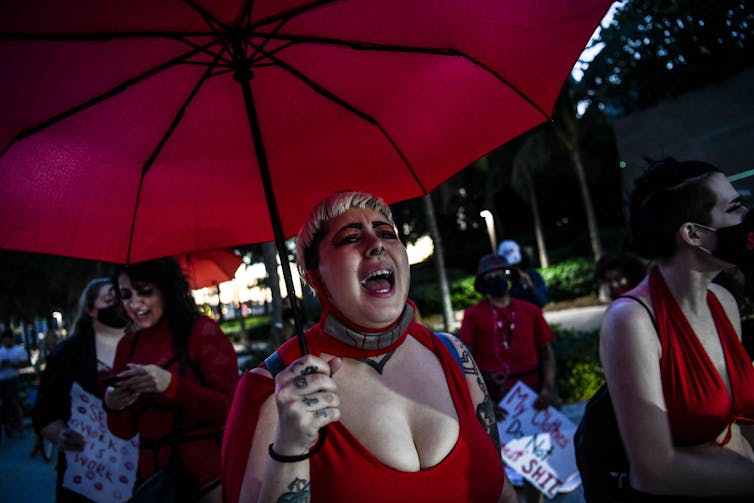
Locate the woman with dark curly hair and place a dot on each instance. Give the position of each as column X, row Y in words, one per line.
column 680, row 381
column 178, row 371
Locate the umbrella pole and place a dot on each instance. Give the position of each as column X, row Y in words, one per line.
column 244, row 76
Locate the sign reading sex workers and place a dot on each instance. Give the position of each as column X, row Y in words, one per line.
column 538, row 444
column 105, row 471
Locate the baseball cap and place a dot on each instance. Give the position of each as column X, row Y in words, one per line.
column 487, row 263
column 511, row 251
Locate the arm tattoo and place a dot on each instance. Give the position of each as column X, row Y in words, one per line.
column 468, row 363
column 485, row 412
column 298, row 492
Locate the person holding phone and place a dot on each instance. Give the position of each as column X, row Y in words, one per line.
column 177, row 372
column 85, row 358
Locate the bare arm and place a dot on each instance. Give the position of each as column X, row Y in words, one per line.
column 630, row 352
column 305, row 400
column 485, row 411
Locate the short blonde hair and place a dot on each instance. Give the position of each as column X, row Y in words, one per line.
column 308, row 239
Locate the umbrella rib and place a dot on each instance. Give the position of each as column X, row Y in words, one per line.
column 319, row 89
column 102, row 97
column 371, row 46
column 290, row 14
column 149, row 162
column 97, row 36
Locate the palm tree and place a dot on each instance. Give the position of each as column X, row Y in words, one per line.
column 532, row 155
column 567, row 131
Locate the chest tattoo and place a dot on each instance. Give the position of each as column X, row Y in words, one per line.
column 377, row 362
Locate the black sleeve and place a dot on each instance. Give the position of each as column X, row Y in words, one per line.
column 54, row 393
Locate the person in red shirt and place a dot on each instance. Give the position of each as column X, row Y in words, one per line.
column 510, row 341
column 178, row 372
column 380, row 409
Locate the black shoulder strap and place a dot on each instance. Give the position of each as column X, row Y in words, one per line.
column 649, row 312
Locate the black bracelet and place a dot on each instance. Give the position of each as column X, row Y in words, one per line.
column 299, row 457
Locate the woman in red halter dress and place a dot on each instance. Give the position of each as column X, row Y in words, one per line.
column 380, row 409
column 684, row 392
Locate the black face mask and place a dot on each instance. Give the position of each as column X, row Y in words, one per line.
column 496, row 287
column 735, row 244
column 112, row 316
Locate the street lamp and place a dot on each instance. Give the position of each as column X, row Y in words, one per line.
column 490, row 221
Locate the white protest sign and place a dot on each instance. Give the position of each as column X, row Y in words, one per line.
column 538, row 444
column 105, row 471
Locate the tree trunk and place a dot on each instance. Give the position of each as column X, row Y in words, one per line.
column 591, row 218
column 439, row 257
column 544, row 261
column 269, row 253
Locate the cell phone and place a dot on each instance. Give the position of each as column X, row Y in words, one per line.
column 110, row 380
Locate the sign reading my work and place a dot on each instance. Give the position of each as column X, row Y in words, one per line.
column 538, row 444
column 105, row 471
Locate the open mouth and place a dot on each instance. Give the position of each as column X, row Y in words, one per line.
column 379, row 281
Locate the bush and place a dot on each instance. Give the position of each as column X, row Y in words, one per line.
column 570, row 279
column 579, row 372
column 426, row 295
column 256, row 328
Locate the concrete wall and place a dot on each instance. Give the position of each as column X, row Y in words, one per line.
column 715, row 124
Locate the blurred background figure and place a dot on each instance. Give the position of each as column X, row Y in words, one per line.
column 510, row 340
column 12, row 358
column 83, row 358
column 526, row 283
column 178, row 373
column 617, row 274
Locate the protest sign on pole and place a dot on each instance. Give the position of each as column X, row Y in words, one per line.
column 105, row 471
column 538, row 444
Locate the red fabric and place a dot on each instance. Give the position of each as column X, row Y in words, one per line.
column 699, row 404
column 394, row 123
column 211, row 267
column 344, row 471
column 531, row 331
column 213, row 354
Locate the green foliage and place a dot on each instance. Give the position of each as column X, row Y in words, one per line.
column 256, row 328
column 570, row 279
column 655, row 50
column 426, row 295
column 579, row 372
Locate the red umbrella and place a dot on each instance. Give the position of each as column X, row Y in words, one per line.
column 209, row 268
column 134, row 129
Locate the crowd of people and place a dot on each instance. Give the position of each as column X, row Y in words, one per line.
column 380, row 407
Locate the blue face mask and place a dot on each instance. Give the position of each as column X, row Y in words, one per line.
column 496, row 286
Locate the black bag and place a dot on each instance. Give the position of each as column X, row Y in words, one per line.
column 169, row 485
column 600, row 456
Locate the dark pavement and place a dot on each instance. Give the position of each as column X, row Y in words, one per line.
column 23, row 478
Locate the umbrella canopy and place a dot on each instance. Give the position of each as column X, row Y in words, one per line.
column 138, row 129
column 209, row 268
